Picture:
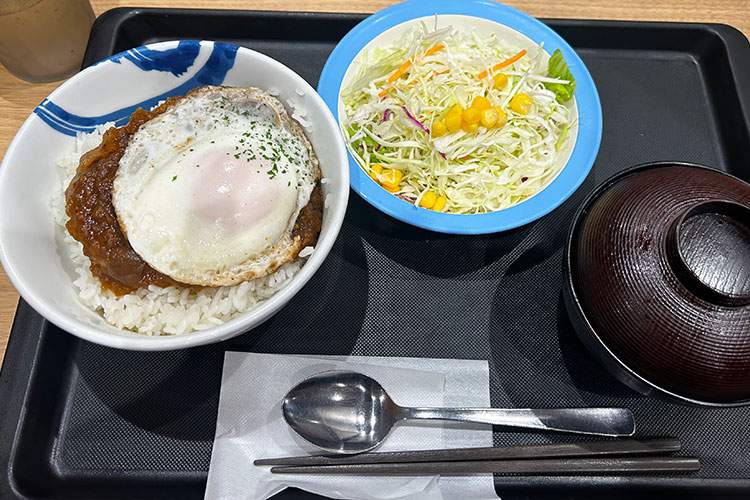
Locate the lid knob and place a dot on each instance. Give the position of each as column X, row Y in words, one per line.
column 708, row 248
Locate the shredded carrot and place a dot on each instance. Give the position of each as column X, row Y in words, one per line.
column 385, row 91
column 400, row 71
column 503, row 64
column 407, row 64
column 434, row 49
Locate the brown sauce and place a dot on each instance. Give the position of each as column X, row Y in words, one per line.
column 310, row 219
column 93, row 221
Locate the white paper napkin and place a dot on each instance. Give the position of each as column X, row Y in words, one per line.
column 250, row 425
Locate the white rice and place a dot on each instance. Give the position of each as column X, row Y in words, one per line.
column 155, row 310
column 299, row 111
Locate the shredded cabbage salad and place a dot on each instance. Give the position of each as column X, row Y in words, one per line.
column 455, row 122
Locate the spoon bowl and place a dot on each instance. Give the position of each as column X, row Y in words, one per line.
column 342, row 412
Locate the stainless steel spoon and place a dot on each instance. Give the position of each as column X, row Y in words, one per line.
column 347, row 412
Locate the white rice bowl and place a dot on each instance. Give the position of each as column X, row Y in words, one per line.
column 154, row 310
column 47, row 267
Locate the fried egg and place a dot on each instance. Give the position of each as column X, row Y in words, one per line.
column 209, row 191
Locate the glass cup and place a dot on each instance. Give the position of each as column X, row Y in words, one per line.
column 44, row 40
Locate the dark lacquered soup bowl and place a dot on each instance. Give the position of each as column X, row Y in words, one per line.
column 658, row 281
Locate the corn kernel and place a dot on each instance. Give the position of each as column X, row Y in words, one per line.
column 390, row 179
column 521, row 103
column 499, row 81
column 439, row 203
column 456, row 108
column 470, row 116
column 453, row 121
column 470, row 128
column 502, row 117
column 489, row 117
column 438, row 128
column 375, row 169
column 481, row 103
column 392, row 175
column 427, row 200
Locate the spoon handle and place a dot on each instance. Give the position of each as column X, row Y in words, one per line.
column 593, row 421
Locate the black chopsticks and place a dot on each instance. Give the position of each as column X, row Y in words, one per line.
column 591, row 449
column 550, row 466
column 598, row 457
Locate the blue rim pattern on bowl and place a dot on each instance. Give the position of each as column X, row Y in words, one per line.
column 175, row 60
column 561, row 188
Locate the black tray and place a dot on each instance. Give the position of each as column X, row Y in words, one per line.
column 84, row 421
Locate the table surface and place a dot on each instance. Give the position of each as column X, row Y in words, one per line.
column 18, row 98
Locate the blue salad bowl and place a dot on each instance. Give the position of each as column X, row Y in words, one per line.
column 471, row 14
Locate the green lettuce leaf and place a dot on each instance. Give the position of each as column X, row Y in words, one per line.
column 558, row 68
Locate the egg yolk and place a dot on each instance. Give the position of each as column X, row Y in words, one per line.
column 234, row 192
